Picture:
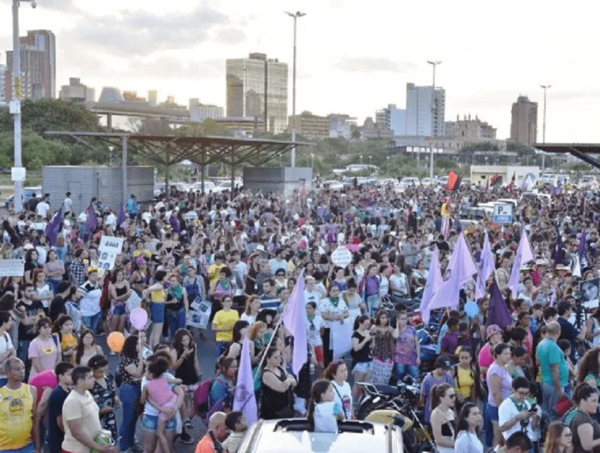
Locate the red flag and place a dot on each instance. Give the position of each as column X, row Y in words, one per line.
column 453, row 181
column 494, row 179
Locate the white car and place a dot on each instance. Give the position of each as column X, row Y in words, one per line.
column 334, row 185
column 443, row 181
column 426, row 182
column 208, row 186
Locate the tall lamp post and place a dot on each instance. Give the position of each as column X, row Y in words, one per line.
column 295, row 15
column 546, row 88
column 434, row 64
column 15, row 107
column 361, row 159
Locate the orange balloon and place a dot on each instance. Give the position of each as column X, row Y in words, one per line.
column 115, row 341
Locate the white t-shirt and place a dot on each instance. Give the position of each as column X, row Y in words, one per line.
column 508, row 410
column 384, row 286
column 400, row 282
column 313, row 331
column 5, row 345
column 312, row 296
column 325, row 421
column 342, row 399
column 42, row 209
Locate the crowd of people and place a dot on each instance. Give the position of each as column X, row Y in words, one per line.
column 522, row 384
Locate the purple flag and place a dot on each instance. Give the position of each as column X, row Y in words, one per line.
column 244, row 399
column 121, row 216
column 486, row 268
column 434, row 280
column 91, row 223
column 294, row 319
column 524, row 255
column 52, row 227
column 583, row 249
column 460, row 270
column 498, row 312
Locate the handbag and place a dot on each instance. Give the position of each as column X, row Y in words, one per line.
column 563, row 405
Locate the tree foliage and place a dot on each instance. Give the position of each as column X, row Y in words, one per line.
column 36, row 151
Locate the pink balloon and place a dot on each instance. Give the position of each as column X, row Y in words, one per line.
column 138, row 318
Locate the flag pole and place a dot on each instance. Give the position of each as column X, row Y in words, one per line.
column 264, row 351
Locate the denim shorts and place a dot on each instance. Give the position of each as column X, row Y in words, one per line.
column 157, row 313
column 150, row 423
column 362, row 367
column 119, row 310
column 493, row 413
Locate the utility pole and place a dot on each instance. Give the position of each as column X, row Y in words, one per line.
column 545, row 87
column 295, row 16
column 434, row 64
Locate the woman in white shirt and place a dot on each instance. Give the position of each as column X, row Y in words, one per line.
column 469, row 423
column 419, row 275
column 399, row 284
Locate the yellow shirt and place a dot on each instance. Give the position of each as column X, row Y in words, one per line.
column 225, row 319
column 84, row 408
column 16, row 414
column 158, row 297
column 465, row 381
column 213, row 273
column 69, row 341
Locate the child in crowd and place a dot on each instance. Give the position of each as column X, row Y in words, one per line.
column 238, row 425
column 320, row 415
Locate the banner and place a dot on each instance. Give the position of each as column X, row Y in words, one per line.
column 110, row 247
column 12, row 268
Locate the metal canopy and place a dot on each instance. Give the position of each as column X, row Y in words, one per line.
column 580, row 150
column 170, row 149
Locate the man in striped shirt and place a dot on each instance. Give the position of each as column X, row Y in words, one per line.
column 269, row 299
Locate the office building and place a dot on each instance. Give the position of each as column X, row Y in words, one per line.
column 132, row 96
column 340, row 125
column 4, row 82
column 310, row 126
column 372, row 130
column 393, row 118
column 38, row 64
column 523, row 127
column 76, row 91
column 153, row 98
column 422, row 118
column 110, row 95
column 474, row 129
column 199, row 112
column 257, row 88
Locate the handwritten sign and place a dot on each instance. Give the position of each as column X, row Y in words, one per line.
column 341, row 256
column 110, row 247
column 12, row 268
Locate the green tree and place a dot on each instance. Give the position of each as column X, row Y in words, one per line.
column 37, row 151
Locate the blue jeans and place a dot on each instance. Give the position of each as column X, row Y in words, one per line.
column 23, row 354
column 130, row 394
column 61, row 253
column 402, row 370
column 91, row 322
column 176, row 320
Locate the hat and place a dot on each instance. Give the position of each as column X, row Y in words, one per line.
column 442, row 362
column 260, row 248
column 492, row 329
column 562, row 267
column 92, row 269
column 28, row 247
column 541, row 262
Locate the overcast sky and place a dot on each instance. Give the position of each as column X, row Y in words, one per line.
column 353, row 56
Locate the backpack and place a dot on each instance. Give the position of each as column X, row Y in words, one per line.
column 202, row 397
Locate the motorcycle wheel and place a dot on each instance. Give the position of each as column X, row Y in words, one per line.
column 408, row 442
column 366, row 407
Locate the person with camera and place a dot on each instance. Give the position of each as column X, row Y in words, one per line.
column 515, row 413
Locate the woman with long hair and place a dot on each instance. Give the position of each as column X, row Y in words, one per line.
column 43, row 290
column 158, row 297
column 187, row 368
column 333, row 309
column 443, row 423
column 321, row 404
column 499, row 384
column 337, row 373
column 592, row 328
column 130, row 371
column 277, row 396
column 221, row 392
column 559, row 438
column 589, row 368
column 383, row 348
column 86, row 348
column 240, row 328
column 54, row 270
column 31, row 264
column 177, row 307
column 63, row 331
column 467, row 429
column 361, row 352
column 119, row 293
column 586, row 430
column 252, row 309
column 105, row 394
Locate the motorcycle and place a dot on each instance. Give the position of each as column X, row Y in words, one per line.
column 402, row 398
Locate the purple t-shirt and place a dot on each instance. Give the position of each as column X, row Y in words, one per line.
column 405, row 352
column 505, row 386
column 449, row 343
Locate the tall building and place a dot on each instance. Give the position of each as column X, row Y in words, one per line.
column 153, row 98
column 4, row 98
column 76, row 91
column 110, row 95
column 199, row 112
column 38, row 64
column 421, row 115
column 257, row 88
column 393, row 117
column 340, row 125
column 523, row 127
column 468, row 128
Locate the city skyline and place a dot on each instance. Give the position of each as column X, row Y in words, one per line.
column 351, row 59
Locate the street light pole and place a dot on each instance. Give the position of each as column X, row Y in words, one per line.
column 295, row 15
column 545, row 87
column 434, row 64
column 16, row 104
column 361, row 159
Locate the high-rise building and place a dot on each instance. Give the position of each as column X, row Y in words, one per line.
column 110, row 95
column 4, row 99
column 523, row 127
column 393, row 118
column 38, row 64
column 76, row 91
column 423, row 119
column 153, row 98
column 257, row 88
column 469, row 129
column 199, row 112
